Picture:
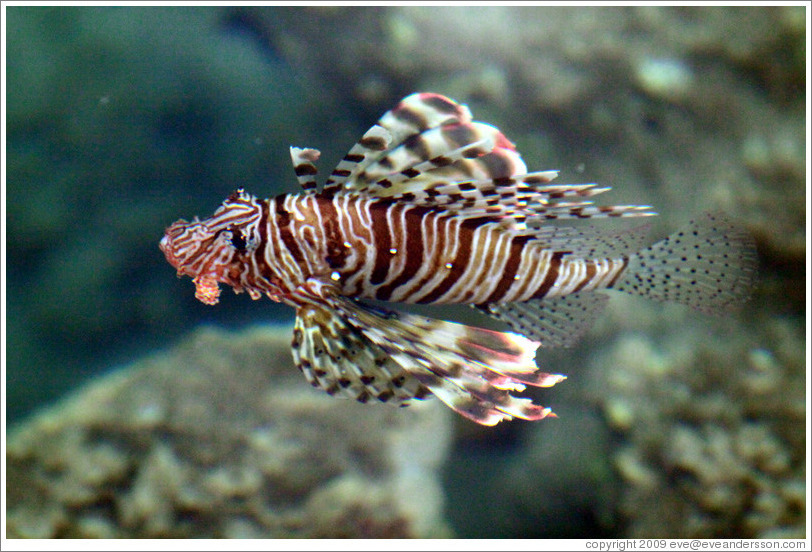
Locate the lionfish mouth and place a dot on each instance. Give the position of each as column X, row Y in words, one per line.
column 181, row 245
column 165, row 246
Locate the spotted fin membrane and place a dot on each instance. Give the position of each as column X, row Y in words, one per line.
column 710, row 265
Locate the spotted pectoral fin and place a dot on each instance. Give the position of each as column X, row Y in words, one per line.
column 554, row 321
column 337, row 357
column 472, row 370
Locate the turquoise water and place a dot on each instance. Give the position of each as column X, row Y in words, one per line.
column 122, row 120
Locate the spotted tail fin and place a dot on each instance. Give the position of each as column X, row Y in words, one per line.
column 710, row 265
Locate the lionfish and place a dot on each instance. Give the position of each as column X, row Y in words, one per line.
column 432, row 207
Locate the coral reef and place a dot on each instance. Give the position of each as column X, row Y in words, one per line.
column 712, row 430
column 220, row 437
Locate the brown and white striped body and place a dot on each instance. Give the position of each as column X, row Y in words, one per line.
column 392, row 251
column 432, row 207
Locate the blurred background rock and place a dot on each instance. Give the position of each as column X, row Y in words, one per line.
column 121, row 120
column 217, row 438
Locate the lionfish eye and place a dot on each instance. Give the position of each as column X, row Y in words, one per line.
column 238, row 240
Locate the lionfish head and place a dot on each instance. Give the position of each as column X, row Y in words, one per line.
column 211, row 250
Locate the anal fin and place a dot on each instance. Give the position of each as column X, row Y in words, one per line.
column 554, row 321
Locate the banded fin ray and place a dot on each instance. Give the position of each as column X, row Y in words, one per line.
column 470, row 369
column 506, row 193
column 540, row 214
column 413, row 115
column 377, row 139
column 428, row 151
column 528, row 219
column 304, row 165
column 435, row 149
column 426, row 140
column 335, row 356
column 522, row 198
column 493, row 168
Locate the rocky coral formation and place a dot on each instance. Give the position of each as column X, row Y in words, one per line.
column 712, row 430
column 221, row 437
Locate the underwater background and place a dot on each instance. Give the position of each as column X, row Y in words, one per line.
column 136, row 411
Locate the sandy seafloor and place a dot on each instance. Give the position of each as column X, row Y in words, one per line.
column 136, row 411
